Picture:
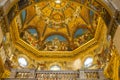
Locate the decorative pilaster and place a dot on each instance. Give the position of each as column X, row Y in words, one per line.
column 112, row 68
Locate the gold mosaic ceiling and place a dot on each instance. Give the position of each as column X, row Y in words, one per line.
column 61, row 25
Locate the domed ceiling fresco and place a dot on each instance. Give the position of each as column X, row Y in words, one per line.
column 61, row 25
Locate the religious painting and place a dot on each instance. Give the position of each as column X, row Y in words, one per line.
column 81, row 36
column 30, row 36
column 56, row 43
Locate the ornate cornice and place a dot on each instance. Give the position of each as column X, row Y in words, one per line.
column 67, row 55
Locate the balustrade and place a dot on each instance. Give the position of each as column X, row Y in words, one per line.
column 27, row 74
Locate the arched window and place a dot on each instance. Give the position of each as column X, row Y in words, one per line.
column 55, row 68
column 22, row 62
column 88, row 62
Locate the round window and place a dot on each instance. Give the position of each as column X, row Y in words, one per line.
column 88, row 62
column 22, row 62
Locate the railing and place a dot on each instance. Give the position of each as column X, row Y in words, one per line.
column 26, row 74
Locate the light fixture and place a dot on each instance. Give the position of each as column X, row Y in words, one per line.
column 58, row 1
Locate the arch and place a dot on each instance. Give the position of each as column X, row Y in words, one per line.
column 32, row 31
column 61, row 38
column 83, row 26
column 31, row 27
column 56, row 33
column 82, row 35
column 80, row 32
column 56, row 43
column 56, row 65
